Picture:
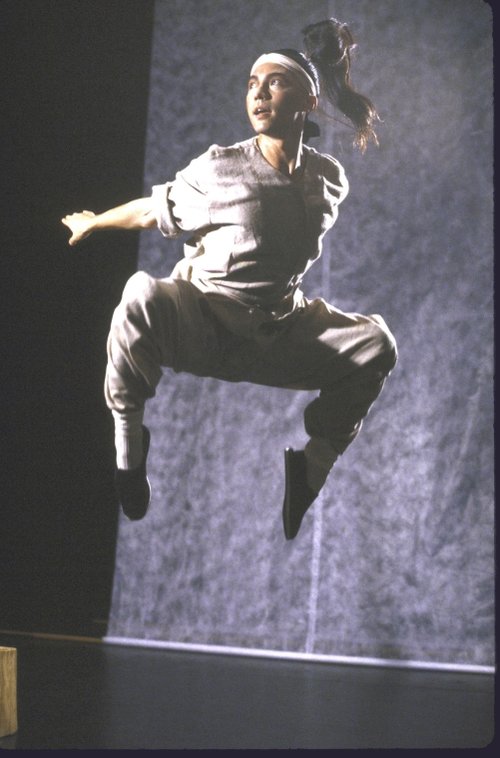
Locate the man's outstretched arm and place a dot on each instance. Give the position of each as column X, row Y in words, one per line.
column 136, row 214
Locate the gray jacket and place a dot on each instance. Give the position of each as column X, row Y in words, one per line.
column 254, row 231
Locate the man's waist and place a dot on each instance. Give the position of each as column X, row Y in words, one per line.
column 269, row 298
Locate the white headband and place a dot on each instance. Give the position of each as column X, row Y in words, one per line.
column 295, row 68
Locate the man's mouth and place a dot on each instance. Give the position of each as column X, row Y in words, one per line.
column 261, row 111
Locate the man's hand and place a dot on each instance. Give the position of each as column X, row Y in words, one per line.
column 81, row 225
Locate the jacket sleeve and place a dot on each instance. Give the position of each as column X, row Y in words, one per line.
column 182, row 205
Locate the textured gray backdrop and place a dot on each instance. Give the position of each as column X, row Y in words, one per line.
column 396, row 558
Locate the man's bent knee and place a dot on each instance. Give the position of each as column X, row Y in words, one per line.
column 139, row 288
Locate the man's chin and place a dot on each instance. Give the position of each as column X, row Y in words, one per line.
column 267, row 130
column 260, row 128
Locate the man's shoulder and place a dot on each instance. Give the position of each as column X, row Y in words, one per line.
column 328, row 167
column 219, row 160
column 324, row 161
column 229, row 152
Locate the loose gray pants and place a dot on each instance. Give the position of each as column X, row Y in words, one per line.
column 171, row 323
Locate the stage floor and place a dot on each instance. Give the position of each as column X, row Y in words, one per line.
column 88, row 695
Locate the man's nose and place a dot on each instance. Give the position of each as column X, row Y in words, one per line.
column 261, row 92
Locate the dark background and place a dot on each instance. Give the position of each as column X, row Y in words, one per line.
column 75, row 76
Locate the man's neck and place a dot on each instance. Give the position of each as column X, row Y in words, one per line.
column 283, row 153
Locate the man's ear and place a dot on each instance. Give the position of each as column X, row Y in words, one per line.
column 312, row 103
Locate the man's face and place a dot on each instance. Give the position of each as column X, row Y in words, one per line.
column 275, row 101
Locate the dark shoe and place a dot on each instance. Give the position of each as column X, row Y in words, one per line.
column 298, row 495
column 132, row 485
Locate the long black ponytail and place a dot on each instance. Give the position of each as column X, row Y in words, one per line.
column 328, row 45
